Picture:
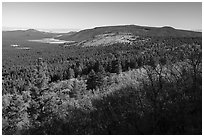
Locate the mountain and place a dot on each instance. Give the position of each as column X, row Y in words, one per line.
column 70, row 33
column 65, row 34
column 166, row 31
column 26, row 34
column 197, row 30
column 105, row 36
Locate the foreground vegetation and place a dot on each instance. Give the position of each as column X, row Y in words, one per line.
column 146, row 88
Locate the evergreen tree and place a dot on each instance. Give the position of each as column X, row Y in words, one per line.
column 109, row 66
column 91, row 81
column 116, row 66
column 78, row 69
column 133, row 63
column 100, row 69
column 94, row 81
column 151, row 62
column 37, row 89
column 71, row 73
column 41, row 76
column 74, row 91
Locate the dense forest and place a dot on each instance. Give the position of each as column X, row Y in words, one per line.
column 151, row 87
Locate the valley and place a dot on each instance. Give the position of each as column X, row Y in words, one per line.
column 50, row 41
column 105, row 80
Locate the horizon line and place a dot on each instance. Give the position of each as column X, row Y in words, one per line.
column 64, row 30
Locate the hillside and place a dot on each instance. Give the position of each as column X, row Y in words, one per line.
column 23, row 37
column 133, row 29
column 25, row 34
column 113, row 38
column 98, row 36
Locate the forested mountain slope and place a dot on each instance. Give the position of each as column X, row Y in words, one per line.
column 133, row 29
column 25, row 34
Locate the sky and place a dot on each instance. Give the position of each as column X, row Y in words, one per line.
column 77, row 16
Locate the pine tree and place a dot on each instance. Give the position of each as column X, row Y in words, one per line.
column 74, row 91
column 100, row 69
column 151, row 62
column 91, row 81
column 71, row 73
column 116, row 66
column 78, row 69
column 109, row 66
column 37, row 89
column 94, row 81
column 41, row 76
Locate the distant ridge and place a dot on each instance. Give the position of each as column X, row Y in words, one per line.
column 26, row 34
column 197, row 30
column 166, row 31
